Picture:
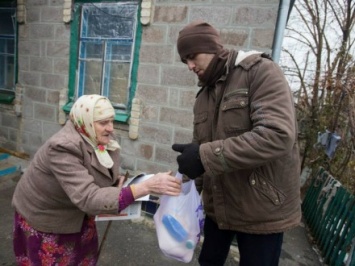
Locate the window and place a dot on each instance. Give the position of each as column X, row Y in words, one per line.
column 8, row 49
column 106, row 53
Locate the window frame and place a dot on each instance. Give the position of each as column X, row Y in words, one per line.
column 120, row 115
column 7, row 96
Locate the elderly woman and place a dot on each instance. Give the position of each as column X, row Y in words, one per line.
column 73, row 177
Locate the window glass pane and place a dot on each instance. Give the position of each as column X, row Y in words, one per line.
column 90, row 67
column 91, row 49
column 117, row 82
column 7, row 21
column 3, row 45
column 8, row 69
column 90, row 72
column 108, row 20
column 7, row 47
column 121, row 51
column 10, row 72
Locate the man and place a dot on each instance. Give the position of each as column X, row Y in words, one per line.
column 244, row 153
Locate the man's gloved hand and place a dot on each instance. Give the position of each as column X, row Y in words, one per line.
column 189, row 160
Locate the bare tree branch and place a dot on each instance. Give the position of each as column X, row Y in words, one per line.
column 320, row 52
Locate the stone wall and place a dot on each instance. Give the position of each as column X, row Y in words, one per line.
column 165, row 90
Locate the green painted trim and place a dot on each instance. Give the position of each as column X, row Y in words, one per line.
column 67, row 107
column 6, row 97
column 96, row 1
column 16, row 52
column 73, row 56
column 119, row 115
column 134, row 74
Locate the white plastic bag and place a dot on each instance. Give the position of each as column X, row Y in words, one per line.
column 179, row 221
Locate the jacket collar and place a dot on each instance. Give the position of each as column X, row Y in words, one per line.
column 247, row 59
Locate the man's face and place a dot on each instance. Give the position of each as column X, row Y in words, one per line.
column 198, row 63
column 103, row 130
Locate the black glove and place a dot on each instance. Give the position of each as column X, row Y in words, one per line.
column 189, row 160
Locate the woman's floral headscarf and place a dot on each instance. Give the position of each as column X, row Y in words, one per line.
column 86, row 110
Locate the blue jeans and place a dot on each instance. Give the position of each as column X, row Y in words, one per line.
column 254, row 249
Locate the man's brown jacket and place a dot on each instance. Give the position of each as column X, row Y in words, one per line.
column 247, row 129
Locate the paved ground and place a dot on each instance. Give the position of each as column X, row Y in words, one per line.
column 135, row 244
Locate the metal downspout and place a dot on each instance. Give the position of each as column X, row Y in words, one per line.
column 282, row 17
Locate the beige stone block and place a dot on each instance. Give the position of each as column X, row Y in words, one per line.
column 135, row 114
column 145, row 20
column 153, row 94
column 41, row 64
column 45, row 112
column 134, row 122
column 53, row 81
column 67, row 5
column 146, row 4
column 29, row 78
column 51, row 14
column 165, row 154
column 58, row 48
column 262, row 38
column 179, row 76
column 66, row 12
column 174, row 116
column 153, row 132
column 145, row 12
column 39, row 31
column 28, row 48
column 66, row 18
column 148, row 74
column 150, row 113
column 157, row 54
column 20, row 8
column 252, row 15
column 35, row 94
column 170, row 14
column 154, row 34
column 136, row 101
column 133, row 134
column 18, row 109
column 234, row 37
column 20, row 16
column 136, row 107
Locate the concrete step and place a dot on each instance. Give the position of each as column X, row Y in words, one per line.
column 4, row 156
column 10, row 167
column 7, row 168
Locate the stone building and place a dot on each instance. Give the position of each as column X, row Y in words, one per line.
column 51, row 51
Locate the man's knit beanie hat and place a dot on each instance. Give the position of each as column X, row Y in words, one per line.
column 198, row 37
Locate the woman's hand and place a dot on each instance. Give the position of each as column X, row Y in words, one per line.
column 122, row 179
column 159, row 184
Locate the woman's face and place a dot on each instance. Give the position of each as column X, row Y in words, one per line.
column 103, row 130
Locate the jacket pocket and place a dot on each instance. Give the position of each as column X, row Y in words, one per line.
column 200, row 126
column 235, row 111
column 268, row 190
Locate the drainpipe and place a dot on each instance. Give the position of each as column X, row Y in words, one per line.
column 285, row 7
